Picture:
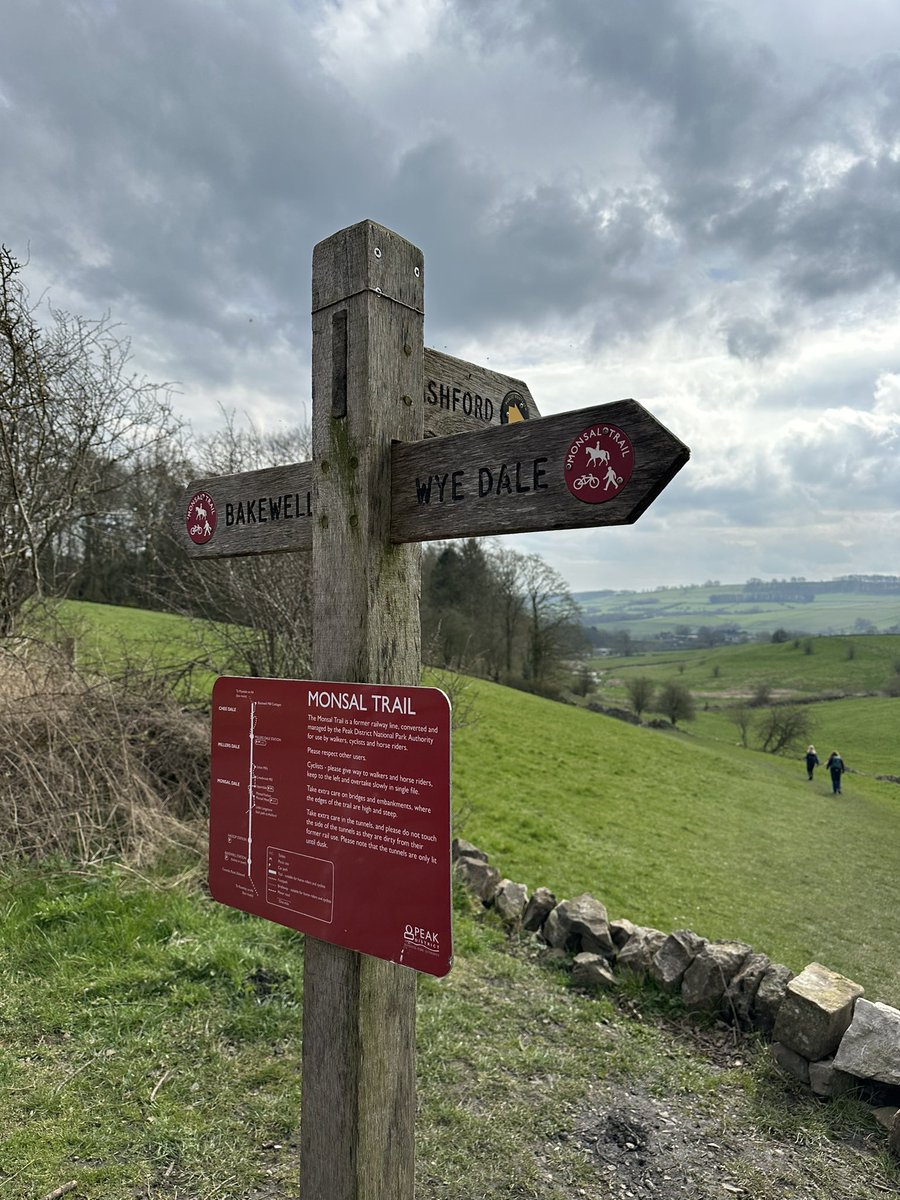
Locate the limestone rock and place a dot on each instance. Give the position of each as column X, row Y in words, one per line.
column 637, row 953
column 554, row 957
column 870, row 1048
column 886, row 1116
column 478, row 877
column 579, row 924
column 769, row 996
column 591, row 971
column 792, row 1062
column 509, row 902
column 827, row 1082
column 674, row 956
column 822, row 1077
column 894, row 1138
column 816, row 1011
column 460, row 848
column 621, row 931
column 538, row 909
column 740, row 995
column 710, row 973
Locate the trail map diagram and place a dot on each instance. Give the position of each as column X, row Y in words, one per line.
column 330, row 813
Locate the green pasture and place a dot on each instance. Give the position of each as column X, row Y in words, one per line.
column 675, row 830
column 865, row 731
column 646, row 614
column 837, row 679
column 802, row 667
column 150, row 1046
column 150, row 1038
column 686, row 827
column 113, row 637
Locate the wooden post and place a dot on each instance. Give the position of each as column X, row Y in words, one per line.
column 358, row 1109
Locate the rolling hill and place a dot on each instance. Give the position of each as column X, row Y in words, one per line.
column 853, row 605
column 685, row 828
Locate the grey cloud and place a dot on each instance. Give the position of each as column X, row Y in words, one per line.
column 850, row 460
column 551, row 253
column 733, row 138
column 699, row 81
column 187, row 141
column 823, row 230
column 843, row 384
column 751, row 338
column 848, row 240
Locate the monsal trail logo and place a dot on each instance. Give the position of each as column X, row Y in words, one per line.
column 200, row 521
column 599, row 463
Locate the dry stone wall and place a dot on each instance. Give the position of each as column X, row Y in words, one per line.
column 822, row 1030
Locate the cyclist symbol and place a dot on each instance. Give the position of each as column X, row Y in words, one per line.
column 585, row 481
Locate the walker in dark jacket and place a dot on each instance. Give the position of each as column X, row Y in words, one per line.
column 812, row 761
column 836, row 766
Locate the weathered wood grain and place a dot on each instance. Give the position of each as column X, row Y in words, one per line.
column 357, row 1128
column 258, row 512
column 456, row 467
column 270, row 511
column 512, row 479
column 461, row 396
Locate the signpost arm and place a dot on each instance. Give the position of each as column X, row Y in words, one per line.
column 358, row 1110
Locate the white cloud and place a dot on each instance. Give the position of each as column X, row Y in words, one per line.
column 364, row 42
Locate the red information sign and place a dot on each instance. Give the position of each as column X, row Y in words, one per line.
column 330, row 813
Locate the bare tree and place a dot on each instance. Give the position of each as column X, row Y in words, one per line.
column 552, row 616
column 676, row 703
column 261, row 603
column 510, row 604
column 741, row 716
column 784, row 727
column 762, row 694
column 72, row 417
column 640, row 692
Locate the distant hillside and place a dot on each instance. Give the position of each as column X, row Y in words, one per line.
column 745, row 611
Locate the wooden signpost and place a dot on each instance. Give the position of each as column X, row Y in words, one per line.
column 408, row 445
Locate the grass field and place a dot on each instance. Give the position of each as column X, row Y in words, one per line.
column 646, row 614
column 805, row 667
column 112, row 638
column 150, row 1050
column 676, row 830
column 685, row 828
column 149, row 1038
column 837, row 678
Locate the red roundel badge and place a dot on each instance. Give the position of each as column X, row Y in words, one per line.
column 201, row 518
column 599, row 463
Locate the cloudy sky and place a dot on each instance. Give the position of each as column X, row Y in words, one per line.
column 695, row 204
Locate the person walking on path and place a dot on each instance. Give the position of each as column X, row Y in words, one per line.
column 836, row 766
column 812, row 761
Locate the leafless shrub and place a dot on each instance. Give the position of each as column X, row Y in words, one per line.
column 782, row 728
column 762, row 695
column 95, row 767
column 458, row 689
column 740, row 715
column 641, row 692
